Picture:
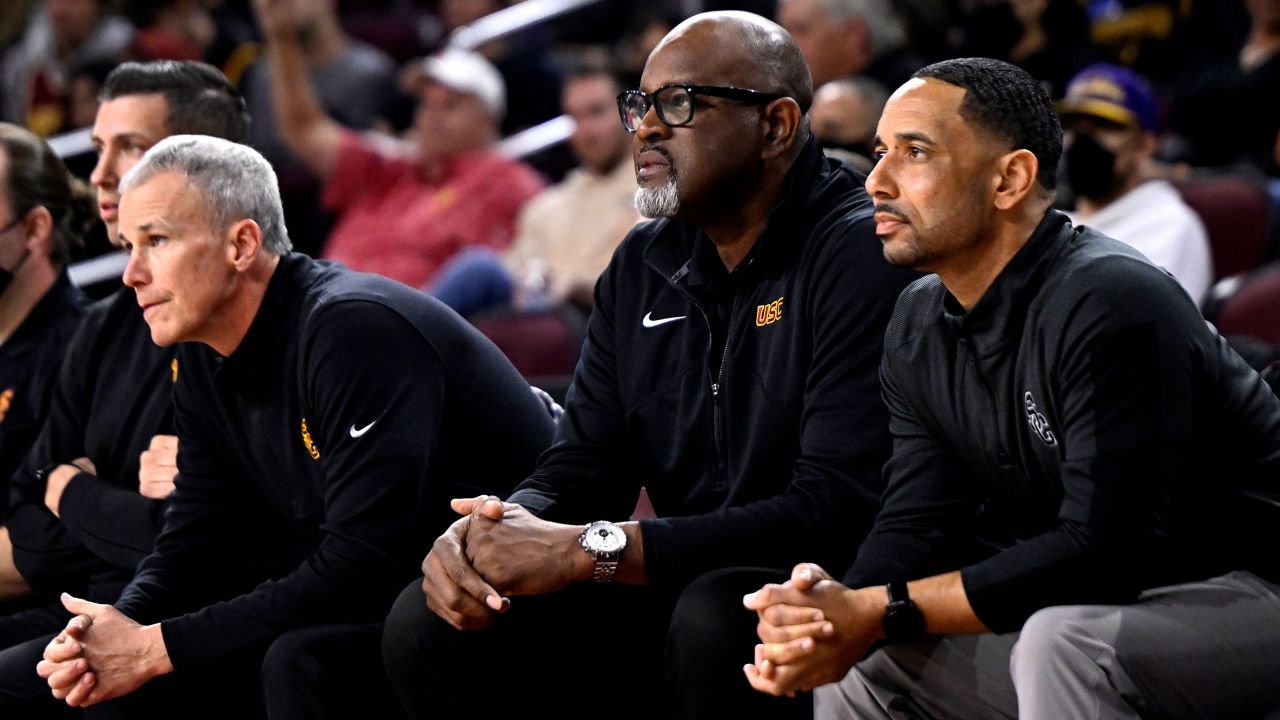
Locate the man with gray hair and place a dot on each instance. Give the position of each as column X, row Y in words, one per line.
column 841, row 38
column 325, row 419
column 729, row 369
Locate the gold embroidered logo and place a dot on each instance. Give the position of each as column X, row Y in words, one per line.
column 6, row 399
column 769, row 313
column 173, row 366
column 307, row 443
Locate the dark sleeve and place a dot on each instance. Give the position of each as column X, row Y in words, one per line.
column 927, row 503
column 1123, row 386
column 366, row 366
column 46, row 554
column 115, row 524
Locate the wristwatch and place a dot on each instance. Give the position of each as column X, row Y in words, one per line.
column 902, row 619
column 604, row 542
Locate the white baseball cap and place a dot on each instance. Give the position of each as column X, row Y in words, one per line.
column 469, row 73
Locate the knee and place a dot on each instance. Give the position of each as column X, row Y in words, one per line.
column 1058, row 640
column 709, row 619
column 407, row 626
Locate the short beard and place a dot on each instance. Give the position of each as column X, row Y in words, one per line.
column 662, row 201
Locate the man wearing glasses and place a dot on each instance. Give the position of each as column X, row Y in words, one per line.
column 730, row 368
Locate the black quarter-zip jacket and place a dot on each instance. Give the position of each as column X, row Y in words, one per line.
column 761, row 444
column 1081, row 434
column 317, row 461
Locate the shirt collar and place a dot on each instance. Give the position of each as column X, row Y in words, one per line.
column 1004, row 304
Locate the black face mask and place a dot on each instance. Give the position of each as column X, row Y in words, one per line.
column 1091, row 168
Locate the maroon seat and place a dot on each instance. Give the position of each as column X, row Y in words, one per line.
column 544, row 345
column 1236, row 213
column 1252, row 306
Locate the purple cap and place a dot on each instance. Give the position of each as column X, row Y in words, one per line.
column 1113, row 93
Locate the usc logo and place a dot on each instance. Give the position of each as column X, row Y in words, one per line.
column 769, row 313
column 312, row 450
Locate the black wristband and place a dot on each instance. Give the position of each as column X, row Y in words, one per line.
column 902, row 619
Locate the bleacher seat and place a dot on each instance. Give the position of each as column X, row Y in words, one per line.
column 544, row 345
column 1236, row 212
column 1249, row 305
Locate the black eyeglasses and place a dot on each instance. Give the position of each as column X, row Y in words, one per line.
column 675, row 102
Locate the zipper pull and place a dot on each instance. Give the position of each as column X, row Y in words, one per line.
column 715, row 390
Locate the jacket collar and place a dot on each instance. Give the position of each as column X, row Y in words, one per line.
column 1004, row 304
column 61, row 297
column 671, row 251
column 268, row 333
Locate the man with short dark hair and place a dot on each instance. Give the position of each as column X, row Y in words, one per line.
column 88, row 500
column 325, row 417
column 1080, row 463
column 729, row 369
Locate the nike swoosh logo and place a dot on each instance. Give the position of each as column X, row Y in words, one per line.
column 650, row 322
column 357, row 433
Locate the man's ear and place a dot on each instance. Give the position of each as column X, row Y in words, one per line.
column 244, row 243
column 779, row 127
column 1017, row 177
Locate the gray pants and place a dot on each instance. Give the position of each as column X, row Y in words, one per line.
column 1208, row 649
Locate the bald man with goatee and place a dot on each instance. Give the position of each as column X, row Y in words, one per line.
column 729, row 369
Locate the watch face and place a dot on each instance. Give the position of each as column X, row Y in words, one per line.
column 603, row 537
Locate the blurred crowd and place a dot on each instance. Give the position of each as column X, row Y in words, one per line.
column 1198, row 84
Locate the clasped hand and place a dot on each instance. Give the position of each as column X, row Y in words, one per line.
column 812, row 630
column 496, row 550
column 101, row 655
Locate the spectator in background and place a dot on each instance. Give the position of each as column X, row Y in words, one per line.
column 1242, row 84
column 34, row 74
column 87, row 501
column 404, row 211
column 531, row 79
column 44, row 213
column 844, row 117
column 841, row 38
column 567, row 233
column 1111, row 120
column 192, row 30
column 1047, row 38
column 355, row 84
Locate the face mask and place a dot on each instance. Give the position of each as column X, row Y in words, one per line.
column 6, row 275
column 1091, row 168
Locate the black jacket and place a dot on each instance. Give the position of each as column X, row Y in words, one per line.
column 776, row 458
column 317, row 461
column 113, row 395
column 1079, row 435
column 29, row 362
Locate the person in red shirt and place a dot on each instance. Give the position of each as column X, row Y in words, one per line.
column 405, row 209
